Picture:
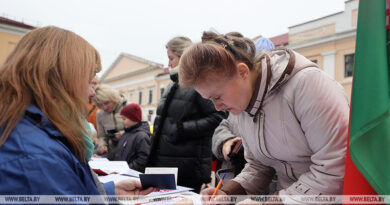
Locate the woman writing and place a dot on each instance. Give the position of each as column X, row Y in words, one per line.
column 293, row 118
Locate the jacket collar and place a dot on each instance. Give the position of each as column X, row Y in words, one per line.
column 129, row 129
column 118, row 106
column 174, row 77
column 273, row 72
column 37, row 117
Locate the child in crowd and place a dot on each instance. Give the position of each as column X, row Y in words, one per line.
column 134, row 144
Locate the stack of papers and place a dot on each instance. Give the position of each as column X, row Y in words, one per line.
column 178, row 189
column 163, row 178
column 99, row 159
column 114, row 178
column 110, row 167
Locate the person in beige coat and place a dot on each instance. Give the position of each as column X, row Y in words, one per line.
column 108, row 118
column 226, row 135
column 292, row 117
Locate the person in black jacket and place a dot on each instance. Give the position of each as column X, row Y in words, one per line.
column 134, row 145
column 183, row 127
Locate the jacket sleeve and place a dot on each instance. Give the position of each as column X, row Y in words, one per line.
column 49, row 174
column 254, row 178
column 109, row 187
column 100, row 129
column 142, row 145
column 321, row 106
column 110, row 155
column 226, row 130
column 194, row 128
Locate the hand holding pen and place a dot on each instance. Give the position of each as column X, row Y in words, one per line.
column 209, row 193
column 218, row 186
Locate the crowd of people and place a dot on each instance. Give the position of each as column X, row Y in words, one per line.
column 290, row 117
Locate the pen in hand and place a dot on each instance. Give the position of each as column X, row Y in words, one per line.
column 218, row 186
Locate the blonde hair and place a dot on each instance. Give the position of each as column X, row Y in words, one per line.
column 51, row 68
column 106, row 93
column 178, row 44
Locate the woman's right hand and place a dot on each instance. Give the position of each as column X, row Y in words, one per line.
column 102, row 149
column 207, row 193
column 96, row 156
column 227, row 147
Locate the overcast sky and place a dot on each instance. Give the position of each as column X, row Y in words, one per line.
column 143, row 27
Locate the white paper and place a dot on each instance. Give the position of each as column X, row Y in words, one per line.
column 162, row 170
column 171, row 200
column 178, row 189
column 99, row 159
column 131, row 173
column 115, row 178
column 110, row 166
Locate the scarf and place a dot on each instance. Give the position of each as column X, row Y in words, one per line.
column 88, row 141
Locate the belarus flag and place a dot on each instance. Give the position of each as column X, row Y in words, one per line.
column 368, row 160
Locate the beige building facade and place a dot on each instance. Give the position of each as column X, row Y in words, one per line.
column 139, row 80
column 10, row 33
column 330, row 42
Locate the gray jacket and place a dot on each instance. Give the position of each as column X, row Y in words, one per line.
column 109, row 121
column 299, row 132
column 227, row 129
column 133, row 147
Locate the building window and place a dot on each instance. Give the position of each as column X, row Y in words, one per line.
column 161, row 92
column 140, row 98
column 130, row 95
column 150, row 113
column 348, row 64
column 150, row 96
column 149, row 118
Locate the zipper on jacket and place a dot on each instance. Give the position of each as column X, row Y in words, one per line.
column 114, row 119
column 286, row 165
column 255, row 118
column 261, row 136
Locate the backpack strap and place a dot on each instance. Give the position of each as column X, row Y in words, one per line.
column 91, row 110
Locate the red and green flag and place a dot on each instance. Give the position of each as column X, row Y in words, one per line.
column 368, row 159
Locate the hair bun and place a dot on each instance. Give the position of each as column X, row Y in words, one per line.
column 209, row 36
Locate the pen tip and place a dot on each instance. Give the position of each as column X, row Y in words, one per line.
column 223, row 176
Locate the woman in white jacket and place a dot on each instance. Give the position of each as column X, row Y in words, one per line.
column 293, row 118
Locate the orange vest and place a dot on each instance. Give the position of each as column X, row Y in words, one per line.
column 92, row 115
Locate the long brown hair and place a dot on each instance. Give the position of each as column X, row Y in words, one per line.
column 216, row 54
column 51, row 68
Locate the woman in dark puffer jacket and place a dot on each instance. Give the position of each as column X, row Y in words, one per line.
column 184, row 127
